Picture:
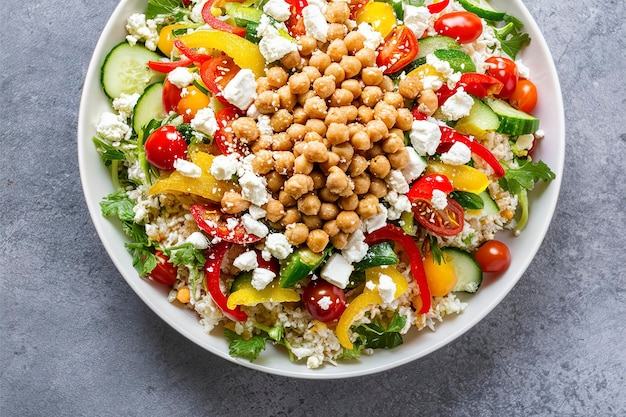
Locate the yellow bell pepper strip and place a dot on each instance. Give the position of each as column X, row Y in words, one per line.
column 463, row 177
column 393, row 233
column 440, row 276
column 367, row 298
column 206, row 185
column 450, row 136
column 245, row 53
column 212, row 270
column 247, row 295
column 166, row 38
column 379, row 15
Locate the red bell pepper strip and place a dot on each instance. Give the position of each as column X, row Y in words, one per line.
column 190, row 53
column 424, row 187
column 218, row 24
column 480, row 85
column 169, row 66
column 394, row 233
column 295, row 23
column 224, row 137
column 213, row 273
column 438, row 7
column 450, row 136
column 418, row 115
column 218, row 225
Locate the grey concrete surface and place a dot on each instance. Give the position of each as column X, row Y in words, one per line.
column 75, row 340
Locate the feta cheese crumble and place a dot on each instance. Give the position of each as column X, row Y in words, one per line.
column 458, row 154
column 278, row 9
column 337, row 270
column 246, row 261
column 386, row 288
column 198, row 240
column 261, row 278
column 241, row 90
column 111, row 127
column 457, row 106
column 272, row 45
column 373, row 38
column 224, row 167
column 204, row 121
column 278, row 246
column 439, row 200
column 139, row 29
column 425, row 137
column 187, row 169
column 315, row 22
column 180, row 77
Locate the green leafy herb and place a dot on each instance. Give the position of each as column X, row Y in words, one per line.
column 185, row 254
column 175, row 8
column 107, row 151
column 468, row 200
column 119, row 205
column 242, row 348
column 512, row 40
column 376, row 335
column 524, row 178
column 436, row 251
column 144, row 260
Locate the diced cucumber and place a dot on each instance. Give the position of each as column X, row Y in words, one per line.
column 125, row 70
column 241, row 281
column 459, row 61
column 377, row 255
column 298, row 265
column 490, row 206
column 243, row 14
column 483, row 9
column 149, row 106
column 480, row 120
column 512, row 121
column 430, row 44
column 468, row 273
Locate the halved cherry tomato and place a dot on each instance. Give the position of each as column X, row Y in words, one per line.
column 524, row 97
column 480, row 85
column 191, row 102
column 295, row 23
column 164, row 146
column 171, row 96
column 398, row 50
column 443, row 222
column 219, row 225
column 216, row 73
column 323, row 300
column 505, row 70
column 493, row 256
column 356, row 6
column 224, row 137
column 465, row 27
column 164, row 272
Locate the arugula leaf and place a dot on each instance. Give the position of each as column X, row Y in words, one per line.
column 164, row 7
column 185, row 254
column 512, row 40
column 376, row 336
column 238, row 347
column 108, row 152
column 144, row 260
column 524, row 178
column 118, row 204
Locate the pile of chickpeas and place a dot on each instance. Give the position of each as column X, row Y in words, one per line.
column 339, row 127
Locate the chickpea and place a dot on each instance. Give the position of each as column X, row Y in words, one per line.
column 337, row 12
column 337, row 133
column 296, row 132
column 286, row 199
column 284, row 161
column 428, row 102
column 281, row 142
column 277, row 76
column 336, row 115
column 292, row 215
column 291, row 60
column 341, row 97
column 299, row 115
column 368, row 206
column 404, row 119
column 307, row 44
column 328, row 211
column 264, row 142
column 246, row 128
column 378, row 188
column 324, row 86
column 386, row 113
column 274, row 210
column 377, row 130
column 374, row 151
column 267, row 102
column 281, row 120
column 336, row 50
column 262, row 84
column 317, row 240
column 296, row 233
column 367, row 57
column 287, row 99
column 358, row 165
column 380, row 166
column 320, row 60
column 299, row 83
column 371, row 95
column 333, row 161
column 302, row 165
column 350, row 65
column 312, row 222
column 315, row 152
column 330, row 227
column 311, row 72
column 336, row 31
column 298, row 185
column 372, row 76
column 344, row 150
column 353, row 86
column 233, row 203
column 387, row 84
column 365, row 114
column 399, row 159
column 340, row 240
column 309, row 204
column 392, row 144
column 348, row 221
column 263, row 162
column 394, row 98
column 410, row 86
column 316, row 130
column 361, row 184
column 319, row 179
column 303, row 98
column 326, row 196
column 274, row 180
column 354, row 41
column 349, row 203
column 316, row 108
column 350, row 111
column 337, row 181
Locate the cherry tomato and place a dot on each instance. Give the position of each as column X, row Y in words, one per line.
column 224, row 137
column 164, row 146
column 504, row 70
column 465, row 27
column 193, row 100
column 223, row 226
column 164, row 272
column 171, row 96
column 443, row 222
column 398, row 50
column 324, row 300
column 524, row 97
column 295, row 23
column 493, row 256
column 356, row 6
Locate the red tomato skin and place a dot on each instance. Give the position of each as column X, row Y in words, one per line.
column 171, row 96
column 318, row 289
column 439, row 222
column 504, row 70
column 164, row 146
column 164, row 272
column 465, row 27
column 524, row 97
column 493, row 256
column 398, row 50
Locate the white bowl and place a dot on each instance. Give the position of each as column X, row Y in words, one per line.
column 96, row 184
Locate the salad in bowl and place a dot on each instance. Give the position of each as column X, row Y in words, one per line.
column 325, row 177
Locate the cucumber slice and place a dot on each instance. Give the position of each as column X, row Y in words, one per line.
column 483, row 9
column 430, row 44
column 512, row 121
column 469, row 275
column 480, row 120
column 149, row 106
column 298, row 265
column 242, row 15
column 377, row 255
column 125, row 70
column 241, row 281
column 459, row 61
column 490, row 207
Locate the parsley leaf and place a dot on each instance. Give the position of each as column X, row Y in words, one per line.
column 144, row 260
column 107, row 151
column 118, row 204
column 185, row 254
column 512, row 40
column 524, row 178
column 238, row 347
column 376, row 336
